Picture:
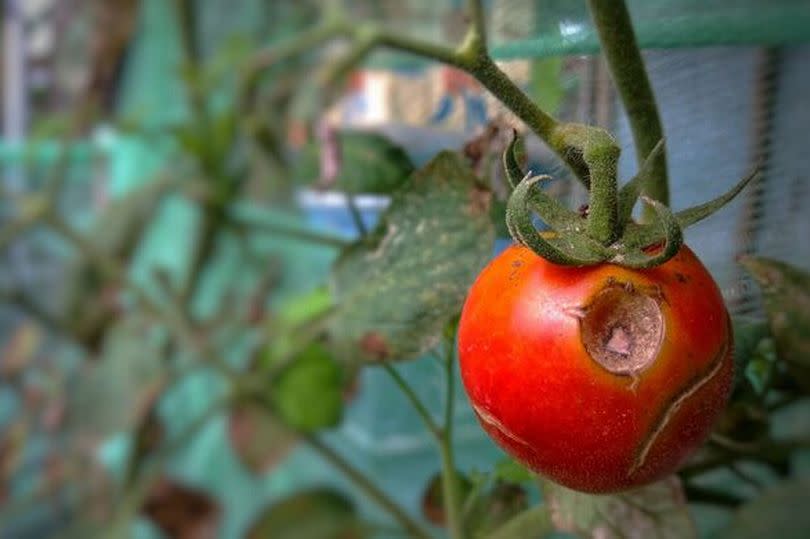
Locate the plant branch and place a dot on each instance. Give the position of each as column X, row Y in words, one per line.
column 113, row 270
column 367, row 486
column 615, row 29
column 450, row 484
column 292, row 232
column 417, row 404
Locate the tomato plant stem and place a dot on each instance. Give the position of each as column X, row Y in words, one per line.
column 288, row 231
column 374, row 492
column 415, row 401
column 450, row 483
column 615, row 29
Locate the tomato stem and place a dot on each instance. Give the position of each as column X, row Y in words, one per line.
column 618, row 40
column 450, row 483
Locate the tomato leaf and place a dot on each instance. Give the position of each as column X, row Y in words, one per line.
column 747, row 337
column 786, row 295
column 500, row 505
column 114, row 393
column 322, row 513
column 780, row 512
column 512, row 471
column 257, row 437
column 308, row 395
column 397, row 289
column 181, row 511
column 658, row 510
column 369, row 163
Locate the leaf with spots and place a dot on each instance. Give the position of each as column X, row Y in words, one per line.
column 397, row 289
column 786, row 296
column 656, row 511
column 322, row 512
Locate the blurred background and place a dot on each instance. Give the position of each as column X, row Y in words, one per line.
column 112, row 100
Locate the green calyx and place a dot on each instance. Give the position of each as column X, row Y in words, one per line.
column 608, row 232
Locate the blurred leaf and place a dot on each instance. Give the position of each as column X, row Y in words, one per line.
column 292, row 323
column 113, row 394
column 304, row 307
column 500, row 505
column 498, row 215
column 656, row 511
column 320, row 513
column 308, row 395
column 20, row 349
column 786, row 295
column 433, row 497
column 257, row 437
column 779, row 512
column 546, row 85
column 369, row 163
column 397, row 289
column 761, row 366
column 747, row 335
column 87, row 300
column 12, row 449
column 512, row 471
column 532, row 523
column 182, row 512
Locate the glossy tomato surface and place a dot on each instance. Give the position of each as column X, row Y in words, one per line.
column 530, row 339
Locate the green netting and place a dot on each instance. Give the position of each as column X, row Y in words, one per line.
column 540, row 28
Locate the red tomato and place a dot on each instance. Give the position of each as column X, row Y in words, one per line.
column 600, row 378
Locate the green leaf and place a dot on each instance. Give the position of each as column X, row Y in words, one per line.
column 656, row 511
column 786, row 295
column 369, row 163
column 513, row 472
column 320, row 513
column 304, row 307
column 308, row 394
column 557, row 216
column 697, row 213
column 762, row 366
column 779, row 512
column 747, row 336
column 396, row 290
column 567, row 249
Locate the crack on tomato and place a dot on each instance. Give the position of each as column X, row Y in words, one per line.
column 674, row 405
column 495, row 423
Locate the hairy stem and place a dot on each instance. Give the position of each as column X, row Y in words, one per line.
column 618, row 40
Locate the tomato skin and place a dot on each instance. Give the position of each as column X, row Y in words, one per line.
column 541, row 396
